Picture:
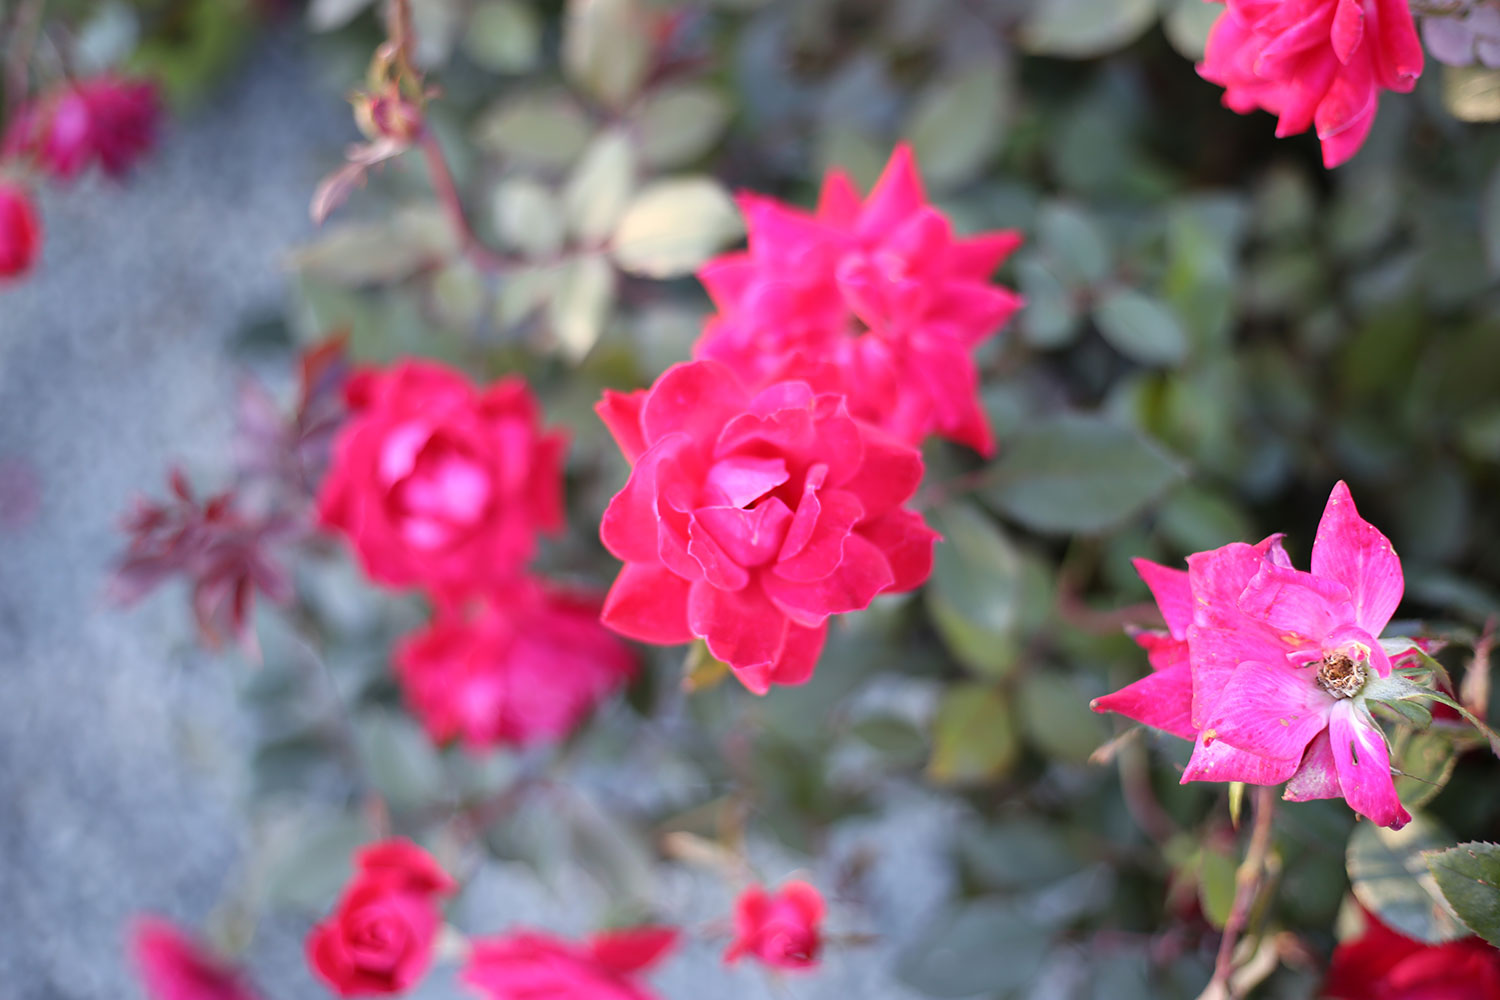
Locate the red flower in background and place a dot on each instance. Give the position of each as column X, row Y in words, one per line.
column 20, row 231
column 528, row 965
column 1319, row 63
column 173, row 966
column 782, row 929
column 1381, row 964
column 379, row 938
column 748, row 519
column 875, row 299
column 109, row 119
column 440, row 485
column 524, row 666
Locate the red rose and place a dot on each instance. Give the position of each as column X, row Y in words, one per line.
column 20, row 231
column 379, row 937
column 109, row 119
column 782, row 930
column 748, row 520
column 1381, row 964
column 173, row 966
column 439, row 485
column 530, row 966
column 525, row 666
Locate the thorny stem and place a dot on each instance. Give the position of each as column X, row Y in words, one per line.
column 1248, row 879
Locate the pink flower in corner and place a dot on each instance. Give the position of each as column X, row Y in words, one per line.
column 876, row 299
column 1278, row 661
column 1320, row 63
column 174, row 966
column 749, row 518
column 528, row 965
column 782, row 929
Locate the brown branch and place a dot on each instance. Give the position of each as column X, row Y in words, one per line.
column 1248, row 879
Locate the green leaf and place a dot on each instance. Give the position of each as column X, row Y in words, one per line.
column 1390, row 878
column 1075, row 244
column 307, row 861
column 1424, row 762
column 503, row 36
column 606, row 48
column 1078, row 473
column 600, row 187
column 897, row 740
column 1196, row 520
column 987, row 947
column 399, row 760
column 1082, row 29
column 544, row 128
column 1469, row 877
column 1216, row 885
column 1050, row 319
column 1141, row 327
column 527, row 217
column 974, row 738
column 975, row 589
column 1017, row 854
column 580, row 304
column 376, row 253
column 958, row 123
column 673, row 226
column 1056, row 717
column 679, row 123
column 1187, row 24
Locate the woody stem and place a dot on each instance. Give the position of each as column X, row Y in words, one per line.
column 1248, row 880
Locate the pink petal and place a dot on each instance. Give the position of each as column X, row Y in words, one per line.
column 742, row 627
column 726, row 278
column 1352, row 551
column 1218, row 761
column 719, row 569
column 1318, row 777
column 799, row 656
column 896, row 195
column 906, row 540
column 837, row 514
column 1364, row 766
column 1303, row 607
column 862, row 573
column 889, row 475
column 1348, row 29
column 621, row 413
column 838, row 202
column 1162, row 700
column 648, row 602
column 1173, row 594
column 695, row 398
column 1270, row 709
column 749, row 537
column 743, row 479
column 629, row 528
column 1398, row 51
column 633, row 949
column 977, row 257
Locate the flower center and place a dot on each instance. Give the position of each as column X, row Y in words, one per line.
column 1340, row 676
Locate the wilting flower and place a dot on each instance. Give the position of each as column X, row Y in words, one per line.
column 440, row 485
column 749, row 518
column 782, row 929
column 379, row 938
column 528, row 965
column 20, row 231
column 1277, row 664
column 174, row 966
column 109, row 119
column 525, row 665
column 226, row 555
column 1320, row 63
column 1381, row 964
column 875, row 299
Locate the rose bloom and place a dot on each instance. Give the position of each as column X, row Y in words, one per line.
column 749, row 518
column 20, row 231
column 782, row 929
column 528, row 965
column 379, row 937
column 1265, row 666
column 1381, row 964
column 441, row 485
column 173, row 966
column 108, row 119
column 877, row 299
column 523, row 666
column 1319, row 63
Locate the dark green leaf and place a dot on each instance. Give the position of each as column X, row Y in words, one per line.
column 1141, row 327
column 1469, row 877
column 975, row 588
column 1390, row 878
column 974, row 738
column 986, row 947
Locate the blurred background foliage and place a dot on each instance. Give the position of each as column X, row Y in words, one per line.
column 1217, row 330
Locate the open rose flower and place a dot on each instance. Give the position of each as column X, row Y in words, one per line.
column 876, row 299
column 1277, row 664
column 20, row 231
column 749, row 518
column 1320, row 63
column 439, row 485
column 528, row 965
column 110, row 120
column 781, row 929
column 1381, row 964
column 379, row 937
column 525, row 665
column 174, row 966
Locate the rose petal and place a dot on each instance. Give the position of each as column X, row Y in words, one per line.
column 1364, row 766
column 648, row 602
column 1352, row 551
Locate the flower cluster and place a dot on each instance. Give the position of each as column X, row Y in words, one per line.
column 1319, row 63
column 770, row 476
column 1270, row 669
column 439, row 485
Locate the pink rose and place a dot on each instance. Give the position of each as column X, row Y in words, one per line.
column 876, row 299
column 1319, row 63
column 749, row 518
column 20, row 231
column 173, row 966
column 783, row 930
column 109, row 119
column 439, row 485
column 528, row 965
column 379, row 937
column 525, row 665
